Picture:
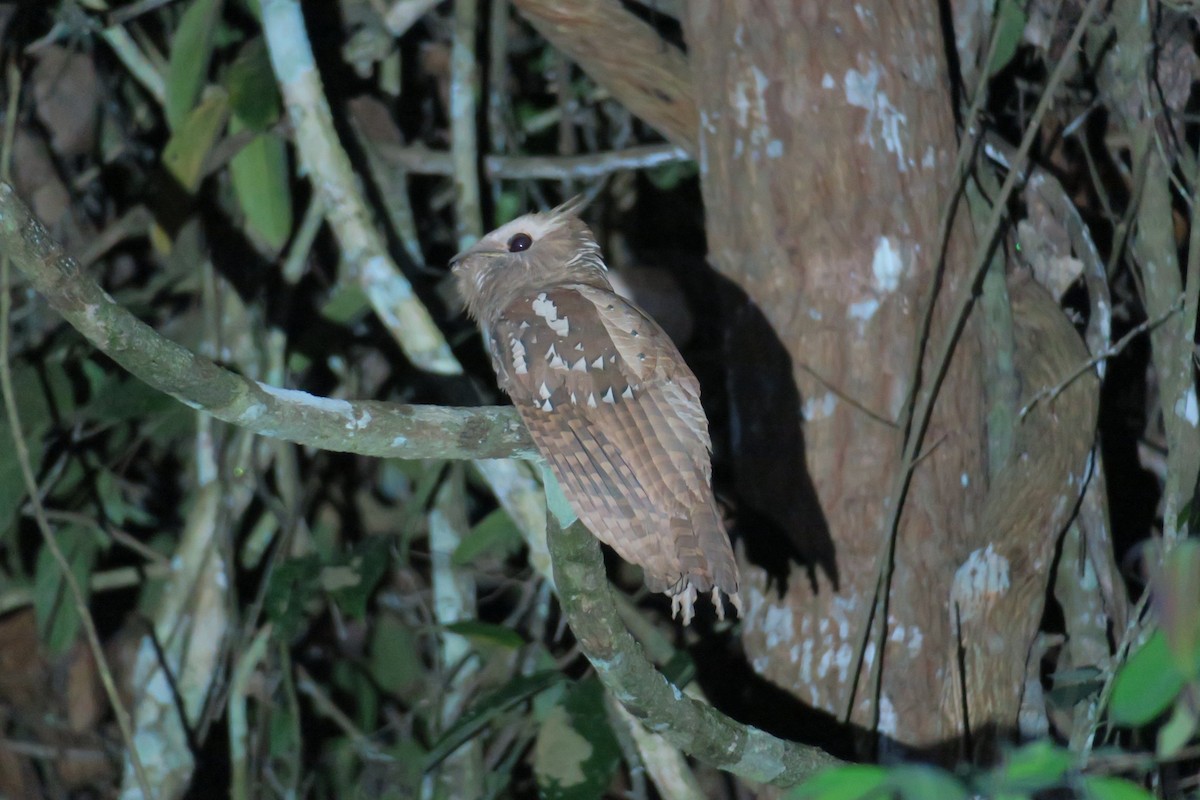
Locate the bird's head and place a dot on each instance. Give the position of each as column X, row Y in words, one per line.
column 534, row 251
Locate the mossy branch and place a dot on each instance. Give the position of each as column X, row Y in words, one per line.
column 689, row 724
column 364, row 427
column 400, row 431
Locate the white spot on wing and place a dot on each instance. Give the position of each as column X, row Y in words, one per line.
column 543, row 391
column 591, row 400
column 628, row 393
column 547, row 310
column 580, row 365
column 598, row 363
column 608, row 397
column 520, row 366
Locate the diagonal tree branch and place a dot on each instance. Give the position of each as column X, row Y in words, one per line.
column 694, row 727
column 364, row 427
column 397, row 431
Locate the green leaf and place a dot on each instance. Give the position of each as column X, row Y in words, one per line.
column 919, row 782
column 291, row 586
column 1096, row 787
column 352, row 580
column 1009, row 27
column 1177, row 731
column 191, row 51
column 253, row 93
column 668, row 176
column 483, row 632
column 495, row 534
column 116, row 396
column 482, row 713
column 346, row 303
column 117, row 509
column 1176, row 597
column 1033, row 767
column 850, row 782
column 1146, row 684
column 54, row 608
column 395, row 661
column 261, row 184
column 185, row 152
column 34, row 409
column 576, row 753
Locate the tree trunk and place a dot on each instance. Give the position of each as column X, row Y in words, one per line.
column 827, row 148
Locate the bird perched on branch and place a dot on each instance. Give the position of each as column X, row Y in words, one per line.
column 607, row 398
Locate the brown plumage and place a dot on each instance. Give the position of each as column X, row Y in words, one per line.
column 608, row 399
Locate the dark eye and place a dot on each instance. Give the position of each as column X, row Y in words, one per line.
column 519, row 242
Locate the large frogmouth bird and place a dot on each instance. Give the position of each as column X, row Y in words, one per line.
column 609, row 401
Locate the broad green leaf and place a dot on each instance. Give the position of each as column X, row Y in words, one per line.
column 34, row 409
column 292, row 585
column 1176, row 597
column 117, row 509
column 488, row 708
column 576, row 752
column 1035, row 766
column 919, row 782
column 350, row 679
column 116, row 396
column 57, row 618
column 1177, row 731
column 851, row 782
column 261, row 183
column 395, row 661
column 558, row 760
column 185, row 152
column 668, row 176
column 253, row 94
column 1096, row 787
column 345, row 304
column 1146, row 684
column 1009, row 27
column 191, row 51
column 352, row 579
column 484, row 632
column 495, row 534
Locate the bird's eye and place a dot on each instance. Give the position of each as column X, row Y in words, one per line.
column 519, row 242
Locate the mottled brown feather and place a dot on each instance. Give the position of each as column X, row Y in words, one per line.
column 608, row 400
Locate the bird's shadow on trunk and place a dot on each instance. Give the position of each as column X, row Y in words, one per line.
column 779, row 517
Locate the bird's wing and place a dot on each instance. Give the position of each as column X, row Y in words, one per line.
column 616, row 412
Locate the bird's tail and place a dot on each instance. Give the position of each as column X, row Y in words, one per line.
column 705, row 552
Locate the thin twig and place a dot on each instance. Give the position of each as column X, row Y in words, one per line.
column 1051, row 392
column 364, row 253
column 464, row 147
column 922, row 409
column 421, row 160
